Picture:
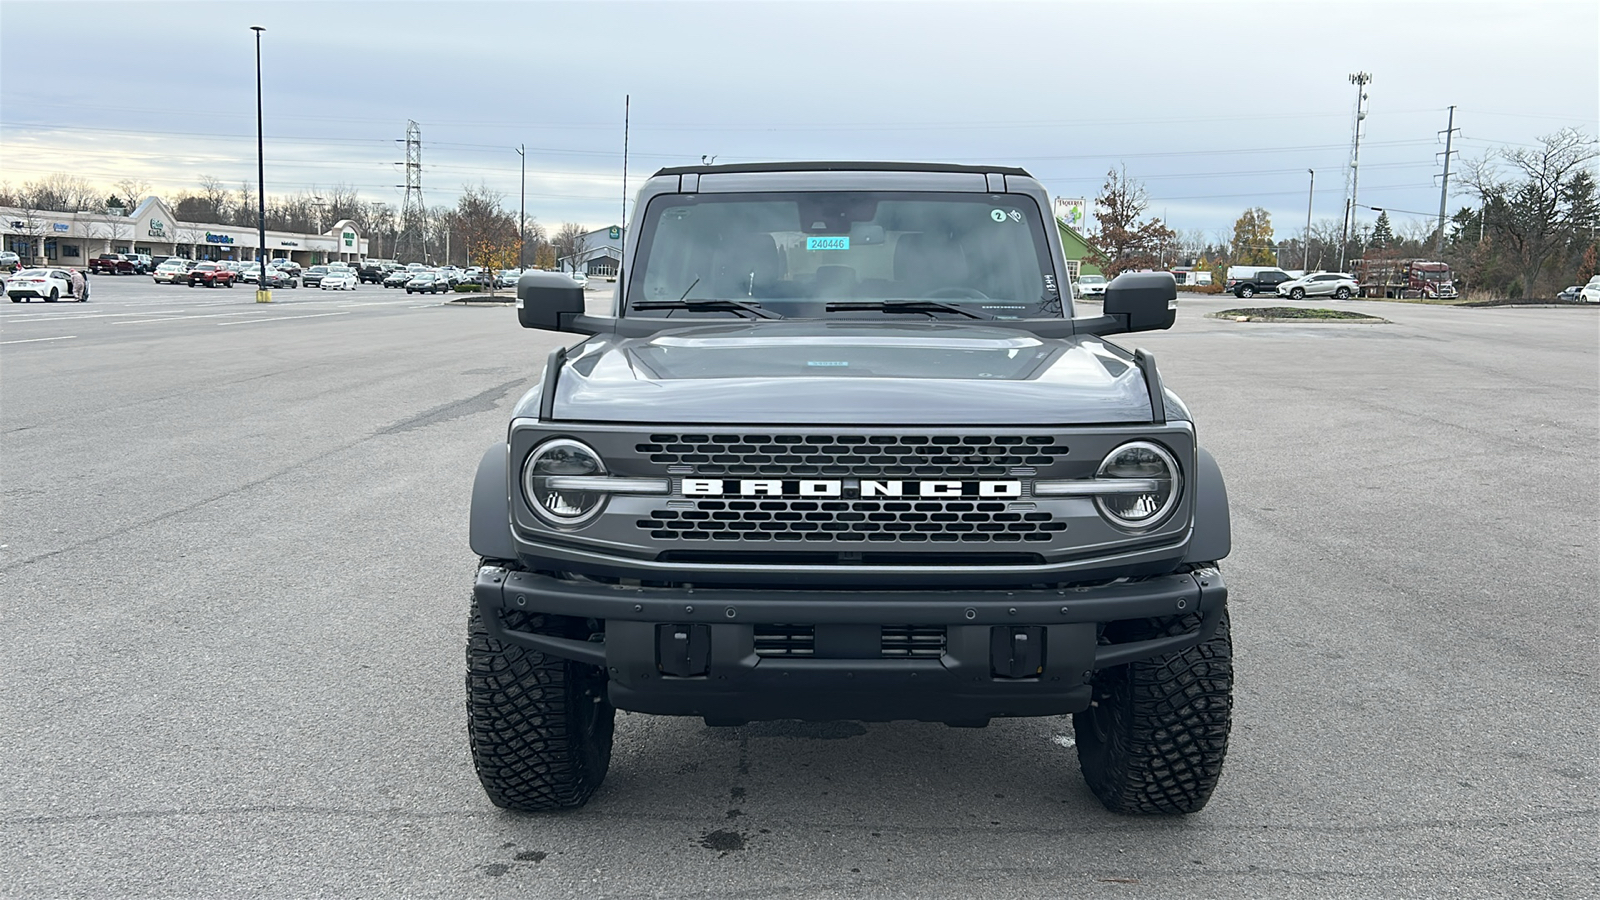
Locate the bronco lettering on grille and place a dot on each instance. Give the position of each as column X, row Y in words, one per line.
column 762, row 487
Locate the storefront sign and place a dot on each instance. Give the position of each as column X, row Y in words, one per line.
column 615, row 233
column 158, row 228
column 288, row 243
column 218, row 238
column 1073, row 212
column 59, row 226
column 349, row 238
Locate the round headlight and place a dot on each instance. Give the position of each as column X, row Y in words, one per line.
column 1144, row 461
column 561, row 457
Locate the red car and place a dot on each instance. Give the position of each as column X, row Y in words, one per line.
column 211, row 274
column 113, row 264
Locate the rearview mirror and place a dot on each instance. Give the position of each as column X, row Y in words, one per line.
column 544, row 298
column 1148, row 301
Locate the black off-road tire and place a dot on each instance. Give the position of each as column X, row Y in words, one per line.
column 540, row 726
column 1155, row 740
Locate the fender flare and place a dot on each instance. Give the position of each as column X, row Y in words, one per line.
column 489, row 529
column 1212, row 538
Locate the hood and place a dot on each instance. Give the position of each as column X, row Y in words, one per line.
column 850, row 373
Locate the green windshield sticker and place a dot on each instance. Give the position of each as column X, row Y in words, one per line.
column 828, row 243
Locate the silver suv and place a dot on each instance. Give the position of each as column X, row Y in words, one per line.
column 1337, row 285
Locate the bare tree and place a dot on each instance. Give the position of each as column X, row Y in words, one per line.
column 61, row 192
column 1545, row 207
column 133, row 190
column 569, row 244
column 108, row 225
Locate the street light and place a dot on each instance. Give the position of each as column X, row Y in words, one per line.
column 262, row 294
column 522, row 218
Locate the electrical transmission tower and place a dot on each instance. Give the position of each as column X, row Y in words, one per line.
column 412, row 245
column 1353, row 174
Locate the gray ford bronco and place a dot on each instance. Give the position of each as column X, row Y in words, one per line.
column 841, row 449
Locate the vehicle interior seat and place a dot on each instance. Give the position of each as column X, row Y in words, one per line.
column 744, row 266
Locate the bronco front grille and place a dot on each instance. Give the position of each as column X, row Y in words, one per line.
column 778, row 455
column 882, row 521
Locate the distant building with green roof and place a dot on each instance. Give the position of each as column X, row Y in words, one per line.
column 1079, row 252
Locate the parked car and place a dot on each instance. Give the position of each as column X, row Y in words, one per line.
column 339, row 278
column 1092, row 286
column 1337, row 285
column 450, row 274
column 507, row 277
column 10, row 261
column 313, row 276
column 172, row 270
column 48, row 285
column 373, row 270
column 1247, row 281
column 278, row 278
column 211, row 274
column 143, row 264
column 581, row 279
column 113, row 264
column 251, row 274
column 398, row 278
column 1571, row 294
column 1591, row 291
column 428, row 282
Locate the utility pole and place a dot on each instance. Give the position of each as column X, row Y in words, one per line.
column 1311, row 191
column 1444, row 186
column 1360, row 80
column 522, row 219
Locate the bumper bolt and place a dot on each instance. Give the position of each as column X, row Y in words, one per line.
column 638, row 607
column 971, row 614
column 521, row 600
column 1182, row 603
column 1064, row 610
column 730, row 612
column 688, row 609
column 1012, row 611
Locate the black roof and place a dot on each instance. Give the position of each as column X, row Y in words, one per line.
column 839, row 167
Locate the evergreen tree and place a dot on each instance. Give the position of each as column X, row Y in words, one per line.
column 1383, row 232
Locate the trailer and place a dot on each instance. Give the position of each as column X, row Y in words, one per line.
column 1400, row 279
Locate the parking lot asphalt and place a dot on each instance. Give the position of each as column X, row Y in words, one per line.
column 235, row 577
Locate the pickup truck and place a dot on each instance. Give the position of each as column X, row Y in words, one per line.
column 113, row 264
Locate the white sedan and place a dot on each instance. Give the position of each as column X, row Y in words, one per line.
column 1337, row 285
column 339, row 280
column 48, row 285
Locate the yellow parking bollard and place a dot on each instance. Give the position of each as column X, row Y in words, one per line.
column 263, row 296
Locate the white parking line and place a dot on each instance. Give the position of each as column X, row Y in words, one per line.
column 51, row 317
column 67, row 337
column 181, row 318
column 281, row 318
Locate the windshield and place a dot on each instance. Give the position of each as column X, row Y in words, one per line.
column 1092, row 279
column 794, row 253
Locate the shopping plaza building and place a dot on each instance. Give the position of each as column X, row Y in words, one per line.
column 72, row 239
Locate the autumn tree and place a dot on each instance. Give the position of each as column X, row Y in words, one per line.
column 1252, row 239
column 1124, row 241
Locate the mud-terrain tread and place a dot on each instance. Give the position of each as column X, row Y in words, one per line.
column 1167, row 721
column 524, row 721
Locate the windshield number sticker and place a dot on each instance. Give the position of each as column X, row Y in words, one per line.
column 828, row 243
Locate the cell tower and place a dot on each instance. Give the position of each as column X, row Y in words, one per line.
column 412, row 245
column 1352, row 175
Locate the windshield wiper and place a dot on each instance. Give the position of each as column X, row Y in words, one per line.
column 908, row 306
column 734, row 306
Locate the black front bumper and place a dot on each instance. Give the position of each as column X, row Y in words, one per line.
column 732, row 683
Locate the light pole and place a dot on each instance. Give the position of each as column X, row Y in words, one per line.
column 1310, row 192
column 262, row 295
column 522, row 217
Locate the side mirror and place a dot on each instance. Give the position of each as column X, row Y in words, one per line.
column 1145, row 301
column 548, row 300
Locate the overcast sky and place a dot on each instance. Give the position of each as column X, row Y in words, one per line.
column 1214, row 107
